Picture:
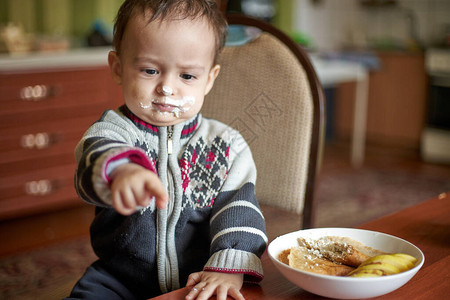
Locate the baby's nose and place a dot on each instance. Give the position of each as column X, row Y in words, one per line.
column 167, row 90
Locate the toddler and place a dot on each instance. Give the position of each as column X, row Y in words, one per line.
column 174, row 191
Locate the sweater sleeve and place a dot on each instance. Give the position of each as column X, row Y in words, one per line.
column 104, row 146
column 237, row 230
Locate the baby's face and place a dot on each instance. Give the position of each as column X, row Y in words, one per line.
column 165, row 68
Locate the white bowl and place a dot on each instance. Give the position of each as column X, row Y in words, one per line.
column 346, row 287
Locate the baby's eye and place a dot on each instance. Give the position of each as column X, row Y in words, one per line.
column 187, row 76
column 150, row 71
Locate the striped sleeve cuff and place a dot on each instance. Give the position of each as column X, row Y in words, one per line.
column 113, row 159
column 237, row 262
column 118, row 158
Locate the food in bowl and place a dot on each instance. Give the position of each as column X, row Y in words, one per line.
column 345, row 287
column 343, row 256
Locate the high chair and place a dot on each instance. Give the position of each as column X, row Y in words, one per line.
column 268, row 90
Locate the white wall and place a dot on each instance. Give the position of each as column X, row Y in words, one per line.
column 333, row 24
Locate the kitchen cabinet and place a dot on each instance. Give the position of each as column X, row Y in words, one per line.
column 43, row 114
column 396, row 105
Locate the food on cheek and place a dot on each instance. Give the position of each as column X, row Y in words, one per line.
column 342, row 256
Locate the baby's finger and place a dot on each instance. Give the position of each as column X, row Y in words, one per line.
column 142, row 198
column 118, row 205
column 197, row 292
column 192, row 294
column 236, row 294
column 221, row 293
column 193, row 279
column 160, row 194
column 138, row 192
column 128, row 200
column 161, row 202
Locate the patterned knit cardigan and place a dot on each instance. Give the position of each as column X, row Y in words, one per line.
column 213, row 221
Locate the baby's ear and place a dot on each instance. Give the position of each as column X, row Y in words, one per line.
column 211, row 78
column 115, row 67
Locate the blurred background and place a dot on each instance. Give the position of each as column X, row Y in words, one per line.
column 399, row 43
column 384, row 66
column 326, row 24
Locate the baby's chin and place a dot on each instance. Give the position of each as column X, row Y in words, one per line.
column 161, row 118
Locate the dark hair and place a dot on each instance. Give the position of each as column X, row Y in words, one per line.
column 174, row 9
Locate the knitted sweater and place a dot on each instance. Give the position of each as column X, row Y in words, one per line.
column 213, row 221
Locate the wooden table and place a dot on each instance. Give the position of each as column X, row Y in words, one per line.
column 426, row 225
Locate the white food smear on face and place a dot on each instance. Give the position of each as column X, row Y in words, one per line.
column 179, row 106
column 167, row 90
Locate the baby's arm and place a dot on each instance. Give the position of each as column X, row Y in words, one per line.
column 205, row 284
column 133, row 186
column 107, row 146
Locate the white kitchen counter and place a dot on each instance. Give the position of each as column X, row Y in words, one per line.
column 330, row 72
column 333, row 72
column 83, row 57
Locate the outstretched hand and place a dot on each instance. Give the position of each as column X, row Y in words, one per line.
column 133, row 186
column 205, row 284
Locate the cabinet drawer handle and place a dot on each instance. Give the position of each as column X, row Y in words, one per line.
column 39, row 187
column 35, row 141
column 37, row 92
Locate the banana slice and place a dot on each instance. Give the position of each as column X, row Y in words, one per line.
column 386, row 264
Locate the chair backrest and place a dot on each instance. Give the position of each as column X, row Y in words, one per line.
column 268, row 90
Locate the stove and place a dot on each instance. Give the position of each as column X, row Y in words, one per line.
column 435, row 142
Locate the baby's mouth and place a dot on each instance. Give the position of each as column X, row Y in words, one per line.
column 158, row 105
column 169, row 105
column 164, row 107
